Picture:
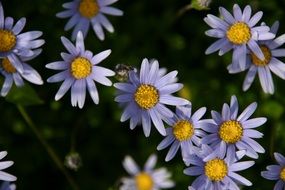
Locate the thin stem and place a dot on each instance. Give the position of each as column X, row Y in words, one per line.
column 48, row 148
column 272, row 140
column 74, row 132
column 183, row 10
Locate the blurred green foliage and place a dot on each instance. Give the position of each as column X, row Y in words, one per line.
column 149, row 29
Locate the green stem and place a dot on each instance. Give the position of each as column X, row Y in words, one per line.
column 183, row 10
column 48, row 148
column 272, row 140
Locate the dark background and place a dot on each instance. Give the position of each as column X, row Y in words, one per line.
column 149, row 28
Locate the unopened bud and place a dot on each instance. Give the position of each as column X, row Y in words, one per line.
column 73, row 161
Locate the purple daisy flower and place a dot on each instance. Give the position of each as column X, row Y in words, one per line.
column 79, row 70
column 11, row 74
column 230, row 131
column 217, row 172
column 7, row 186
column 271, row 51
column 237, row 32
column 276, row 172
column 86, row 12
column 184, row 131
column 13, row 44
column 3, row 165
column 145, row 96
column 146, row 179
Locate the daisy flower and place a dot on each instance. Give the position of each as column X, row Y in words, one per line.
column 272, row 51
column 218, row 172
column 7, row 186
column 13, row 44
column 3, row 165
column 79, row 70
column 86, row 12
column 276, row 172
column 237, row 32
column 146, row 179
column 231, row 131
column 145, row 96
column 13, row 76
column 184, row 132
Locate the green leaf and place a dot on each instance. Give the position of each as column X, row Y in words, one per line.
column 25, row 96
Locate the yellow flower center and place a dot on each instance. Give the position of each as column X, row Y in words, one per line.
column 183, row 130
column 282, row 174
column 239, row 33
column 89, row 8
column 81, row 68
column 7, row 40
column 231, row 131
column 267, row 54
column 216, row 169
column 144, row 181
column 7, row 66
column 146, row 96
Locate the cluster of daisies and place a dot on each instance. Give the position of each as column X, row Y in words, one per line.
column 79, row 67
column 212, row 149
column 255, row 47
column 16, row 49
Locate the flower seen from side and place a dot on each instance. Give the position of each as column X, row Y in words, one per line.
column 145, row 95
column 272, row 52
column 217, row 172
column 184, row 132
column 12, row 75
column 237, row 32
column 3, row 165
column 228, row 131
column 79, row 69
column 84, row 13
column 276, row 172
column 146, row 179
column 14, row 44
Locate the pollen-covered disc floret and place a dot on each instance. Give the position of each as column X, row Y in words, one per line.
column 7, row 66
column 144, row 181
column 267, row 54
column 81, row 68
column 230, row 131
column 146, row 96
column 216, row 169
column 7, row 40
column 183, row 130
column 88, row 8
column 238, row 32
column 148, row 178
column 83, row 13
column 282, row 174
column 79, row 71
